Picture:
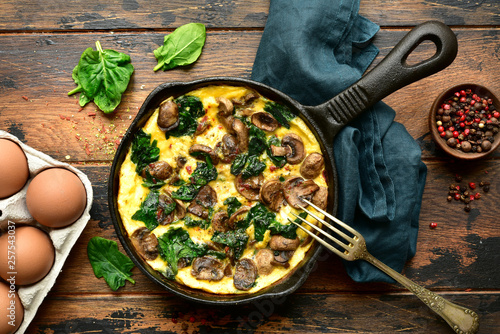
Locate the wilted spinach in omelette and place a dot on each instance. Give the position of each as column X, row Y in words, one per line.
column 207, row 185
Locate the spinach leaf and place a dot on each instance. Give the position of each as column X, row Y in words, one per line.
column 256, row 146
column 149, row 210
column 282, row 113
column 232, row 205
column 108, row 262
column 277, row 161
column 261, row 218
column 143, row 151
column 204, row 173
column 287, row 230
column 239, row 163
column 186, row 192
column 152, row 182
column 190, row 109
column 236, row 240
column 181, row 47
column 176, row 244
column 217, row 254
column 102, row 76
column 190, row 222
column 253, row 168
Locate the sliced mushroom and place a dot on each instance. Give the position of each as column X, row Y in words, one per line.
column 226, row 121
column 295, row 187
column 203, row 125
column 220, row 222
column 271, row 194
column 146, row 243
column 182, row 263
column 247, row 99
column 165, row 219
column 228, row 271
column 180, row 209
column 281, row 151
column 199, row 151
column 282, row 258
column 235, row 215
column 250, row 187
column 207, row 268
column 206, row 198
column 229, row 147
column 245, row 274
column 297, row 145
column 280, row 243
column 320, row 198
column 264, row 261
column 181, row 161
column 160, row 170
column 247, row 112
column 168, row 116
column 241, row 131
column 312, row 166
column 225, row 106
column 265, row 121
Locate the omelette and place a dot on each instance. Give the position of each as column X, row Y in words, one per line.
column 210, row 183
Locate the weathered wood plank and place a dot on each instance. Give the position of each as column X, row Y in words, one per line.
column 457, row 255
column 50, row 121
column 61, row 15
column 299, row 313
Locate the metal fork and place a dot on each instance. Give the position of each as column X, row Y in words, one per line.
column 461, row 319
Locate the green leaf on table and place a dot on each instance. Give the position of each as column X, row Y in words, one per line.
column 181, row 47
column 108, row 262
column 102, row 76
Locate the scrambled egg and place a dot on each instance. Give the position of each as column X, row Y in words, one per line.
column 132, row 193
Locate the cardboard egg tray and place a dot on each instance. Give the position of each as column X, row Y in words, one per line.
column 14, row 209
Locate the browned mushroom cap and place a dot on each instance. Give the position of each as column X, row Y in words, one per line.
column 280, row 243
column 312, row 166
column 225, row 106
column 220, row 222
column 229, row 147
column 264, row 261
column 163, row 219
column 245, row 274
column 228, row 271
column 180, row 209
column 160, row 170
column 202, row 126
column 271, row 194
column 168, row 116
column 281, row 151
column 207, row 268
column 199, row 151
column 241, row 131
column 250, row 187
column 295, row 187
column 235, row 215
column 226, row 121
column 281, row 258
column 206, row 198
column 320, row 198
column 264, row 121
column 297, row 145
column 246, row 100
column 146, row 243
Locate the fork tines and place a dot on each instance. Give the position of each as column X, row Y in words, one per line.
column 350, row 239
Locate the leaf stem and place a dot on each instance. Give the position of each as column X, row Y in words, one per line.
column 98, row 46
column 76, row 90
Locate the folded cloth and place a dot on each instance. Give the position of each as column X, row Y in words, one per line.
column 313, row 50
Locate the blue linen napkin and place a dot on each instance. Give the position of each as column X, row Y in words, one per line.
column 313, row 50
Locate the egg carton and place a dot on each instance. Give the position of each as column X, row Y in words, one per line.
column 14, row 209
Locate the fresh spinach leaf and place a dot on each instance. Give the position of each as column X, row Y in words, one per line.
column 261, row 218
column 143, row 151
column 232, row 205
column 190, row 222
column 181, row 47
column 280, row 112
column 187, row 192
column 276, row 160
column 108, row 262
column 102, row 76
column 190, row 109
column 239, row 163
column 236, row 240
column 176, row 244
column 253, row 168
column 289, row 231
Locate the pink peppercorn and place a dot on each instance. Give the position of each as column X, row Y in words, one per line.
column 433, row 225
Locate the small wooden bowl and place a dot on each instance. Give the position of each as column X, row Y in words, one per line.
column 441, row 142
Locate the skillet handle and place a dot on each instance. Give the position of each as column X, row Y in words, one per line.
column 393, row 72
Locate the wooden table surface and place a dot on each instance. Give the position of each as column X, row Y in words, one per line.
column 40, row 43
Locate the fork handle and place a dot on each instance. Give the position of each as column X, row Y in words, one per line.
column 461, row 319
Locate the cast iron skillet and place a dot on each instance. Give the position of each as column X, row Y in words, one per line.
column 324, row 120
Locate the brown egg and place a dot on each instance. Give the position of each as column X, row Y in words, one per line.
column 56, row 197
column 26, row 255
column 11, row 309
column 14, row 170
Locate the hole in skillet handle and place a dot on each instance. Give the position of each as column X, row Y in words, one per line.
column 393, row 72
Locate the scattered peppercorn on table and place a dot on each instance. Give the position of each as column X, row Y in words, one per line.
column 458, row 250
